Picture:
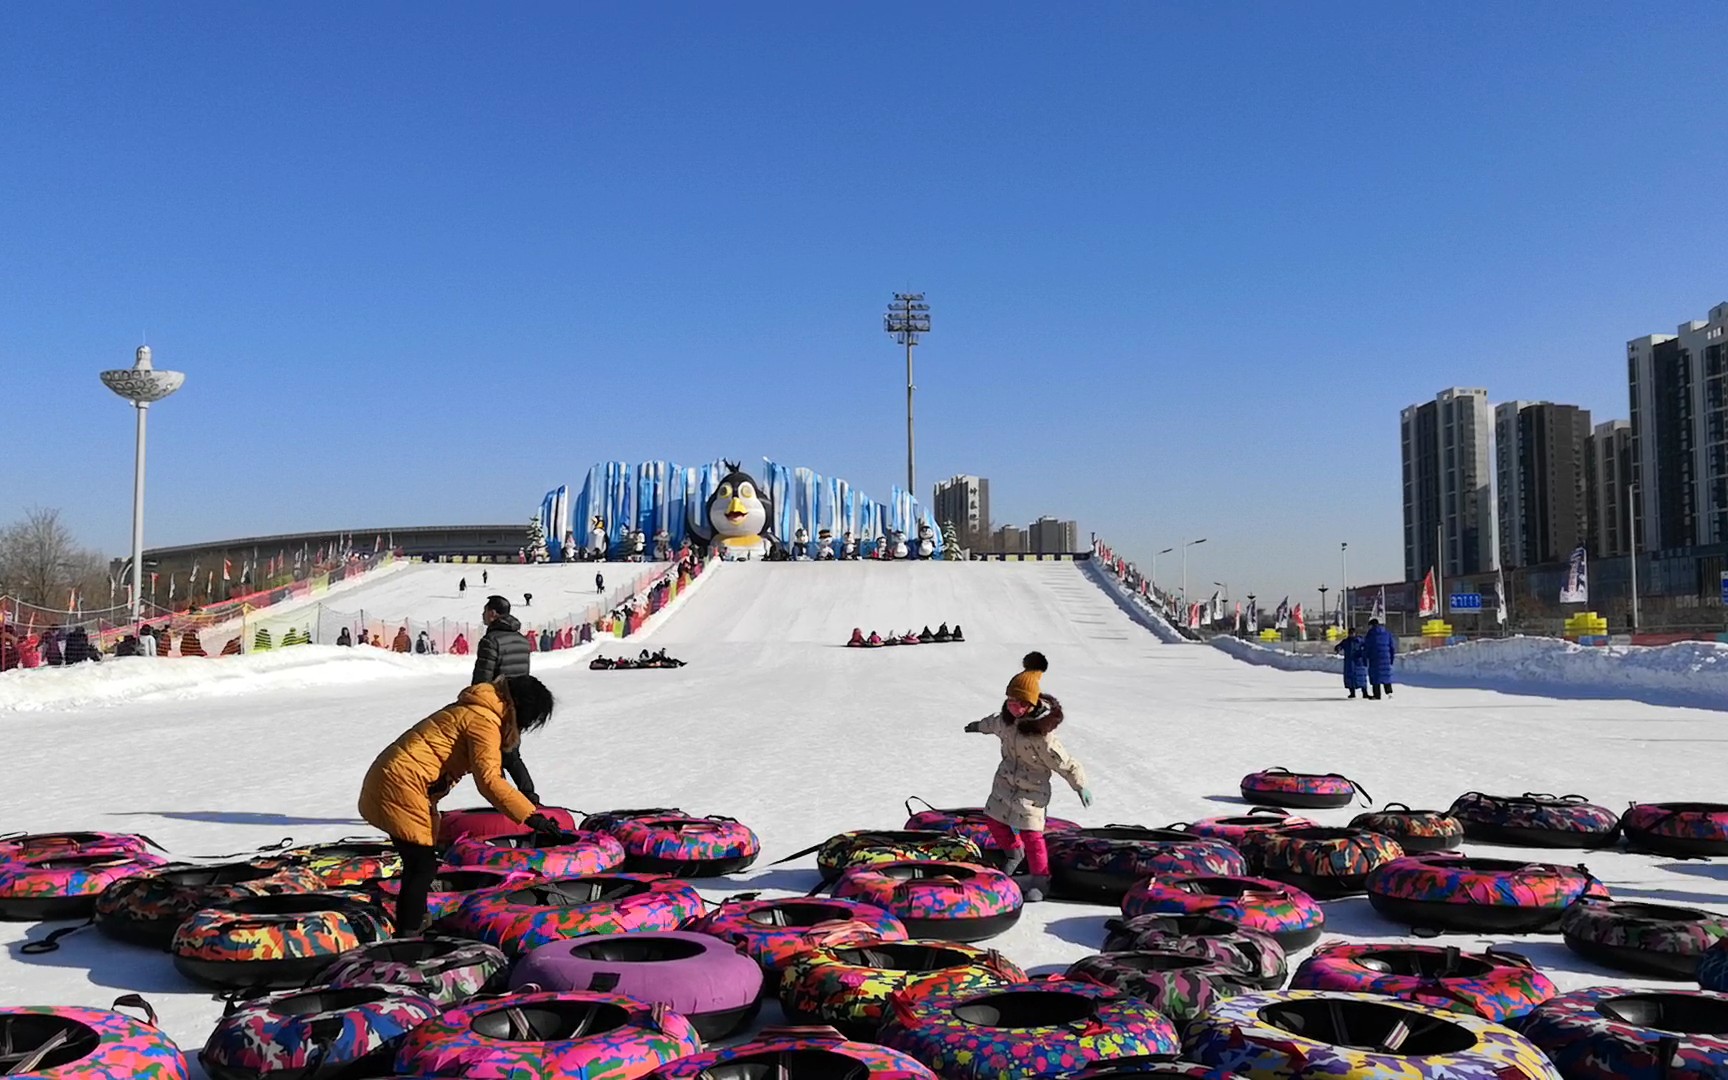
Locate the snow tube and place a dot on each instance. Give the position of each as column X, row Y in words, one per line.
column 686, row 846
column 1324, row 863
column 849, row 986
column 972, row 823
column 65, row 1043
column 1301, row 791
column 1238, row 829
column 343, row 863
column 275, row 941
column 518, row 918
column 1631, row 1033
column 1417, row 831
column 797, row 1054
column 1284, row 911
column 608, row 820
column 1494, row 985
column 1041, row 1029
column 1677, row 828
column 1147, row 1065
column 549, row 1037
column 446, row 970
column 1255, row 955
column 700, row 977
column 772, row 932
column 951, row 901
column 148, row 908
column 1315, row 1033
column 313, row 1033
column 1446, row 892
column 450, row 887
column 15, row 846
column 483, row 823
column 1530, row 820
column 872, row 847
column 1181, row 987
column 1713, row 967
column 1103, row 864
column 65, row 886
column 576, row 854
column 1643, row 939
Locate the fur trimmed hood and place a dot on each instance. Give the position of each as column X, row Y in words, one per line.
column 1047, row 717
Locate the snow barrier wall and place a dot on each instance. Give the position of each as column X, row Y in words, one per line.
column 1134, row 606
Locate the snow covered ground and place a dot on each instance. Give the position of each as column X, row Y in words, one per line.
column 427, row 592
column 776, row 723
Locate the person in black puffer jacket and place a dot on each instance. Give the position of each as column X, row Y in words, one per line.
column 502, row 653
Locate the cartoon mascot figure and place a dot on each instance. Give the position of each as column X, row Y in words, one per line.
column 738, row 521
column 926, row 541
column 597, row 538
column 801, row 544
column 825, row 545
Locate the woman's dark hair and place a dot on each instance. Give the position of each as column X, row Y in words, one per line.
column 532, row 700
column 1034, row 661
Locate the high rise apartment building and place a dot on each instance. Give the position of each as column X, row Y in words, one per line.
column 1448, row 484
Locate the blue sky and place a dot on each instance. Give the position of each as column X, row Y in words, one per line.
column 423, row 262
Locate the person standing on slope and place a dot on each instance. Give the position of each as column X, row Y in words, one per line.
column 504, row 653
column 402, row 788
column 1020, row 792
column 1355, row 656
column 599, row 584
column 1381, row 649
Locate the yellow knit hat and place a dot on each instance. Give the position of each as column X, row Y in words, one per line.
column 1026, row 687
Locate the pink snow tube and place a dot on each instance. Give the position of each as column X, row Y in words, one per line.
column 970, row 822
column 577, row 854
column 1243, row 828
column 483, row 823
column 774, row 932
column 15, row 846
column 65, row 886
column 1287, row 913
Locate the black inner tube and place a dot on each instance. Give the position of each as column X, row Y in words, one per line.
column 575, row 892
column 1224, row 886
column 412, row 950
column 923, row 870
column 796, row 913
column 322, row 1001
column 290, row 904
column 1129, row 833
column 1153, row 960
column 1712, row 808
column 1322, row 833
column 1367, row 1025
column 788, row 1065
column 1682, row 1013
column 465, row 880
column 874, row 838
column 80, row 862
column 1488, row 866
column 550, row 1021
column 23, row 1034
column 626, row 950
column 1032, row 1009
column 1425, row 964
column 230, row 874
column 901, row 956
column 1201, row 926
column 349, row 851
column 1660, row 912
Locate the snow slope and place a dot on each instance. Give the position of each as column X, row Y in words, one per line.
column 427, row 592
column 777, row 724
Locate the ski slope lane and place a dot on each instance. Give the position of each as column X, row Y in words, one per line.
column 428, row 592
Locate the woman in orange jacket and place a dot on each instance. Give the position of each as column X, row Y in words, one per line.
column 403, row 786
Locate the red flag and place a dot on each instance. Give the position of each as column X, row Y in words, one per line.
column 227, row 569
column 1301, row 624
column 1430, row 602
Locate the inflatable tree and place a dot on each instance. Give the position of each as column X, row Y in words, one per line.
column 950, row 541
column 536, row 541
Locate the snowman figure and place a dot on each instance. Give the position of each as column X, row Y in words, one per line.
column 800, row 544
column 926, row 541
column 900, row 550
column 638, row 545
column 825, row 546
column 849, row 547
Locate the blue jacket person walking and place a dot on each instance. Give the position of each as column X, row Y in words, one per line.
column 1355, row 653
column 1381, row 648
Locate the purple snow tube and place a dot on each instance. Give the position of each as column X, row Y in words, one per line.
column 709, row 981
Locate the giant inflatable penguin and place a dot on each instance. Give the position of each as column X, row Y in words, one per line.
column 597, row 538
column 740, row 517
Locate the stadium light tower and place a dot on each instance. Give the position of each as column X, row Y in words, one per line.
column 142, row 385
column 908, row 316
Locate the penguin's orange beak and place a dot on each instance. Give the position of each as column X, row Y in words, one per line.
column 735, row 510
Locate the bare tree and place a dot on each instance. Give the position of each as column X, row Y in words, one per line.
column 41, row 562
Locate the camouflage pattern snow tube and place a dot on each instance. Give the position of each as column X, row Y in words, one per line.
column 319, row 1032
column 1643, row 939
column 1252, row 954
column 69, row 1043
column 66, row 886
column 446, row 970
column 952, row 901
column 774, row 932
column 1105, row 863
column 1302, row 791
column 1713, row 967
column 148, row 908
column 1319, row 1035
column 1324, row 863
column 1284, row 911
column 1239, row 829
column 1494, row 985
column 275, row 941
column 343, row 863
column 1677, row 828
column 549, row 1037
column 1417, row 831
column 849, row 986
column 972, row 823
column 1632, row 1033
column 1042, row 1029
column 686, row 846
column 873, row 847
column 1181, row 987
column 520, row 918
column 14, row 846
column 577, row 854
column 800, row 1054
column 1447, row 892
column 452, row 886
column 1532, row 820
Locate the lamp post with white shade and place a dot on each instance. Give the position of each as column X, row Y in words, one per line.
column 143, row 385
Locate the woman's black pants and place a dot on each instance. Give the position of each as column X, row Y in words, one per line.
column 419, row 867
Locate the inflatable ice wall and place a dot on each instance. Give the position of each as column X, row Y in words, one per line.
column 657, row 496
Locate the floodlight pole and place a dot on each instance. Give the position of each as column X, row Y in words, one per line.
column 908, row 316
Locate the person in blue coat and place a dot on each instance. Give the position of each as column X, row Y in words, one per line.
column 1355, row 656
column 1381, row 649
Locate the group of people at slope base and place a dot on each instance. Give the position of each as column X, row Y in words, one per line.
column 53, row 647
column 1368, row 660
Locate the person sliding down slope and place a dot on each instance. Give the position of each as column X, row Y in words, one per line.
column 1020, row 791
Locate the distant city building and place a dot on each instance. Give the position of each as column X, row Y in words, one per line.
column 1448, row 484
column 1009, row 540
column 1610, row 472
column 1541, row 456
column 965, row 501
column 1050, row 536
column 1677, row 386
